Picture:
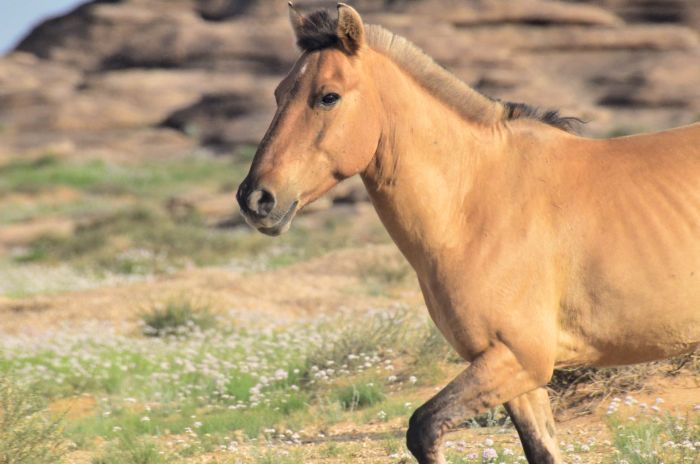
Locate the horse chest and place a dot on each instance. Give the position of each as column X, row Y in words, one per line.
column 490, row 294
column 463, row 322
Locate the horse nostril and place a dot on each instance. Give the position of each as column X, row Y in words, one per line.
column 261, row 202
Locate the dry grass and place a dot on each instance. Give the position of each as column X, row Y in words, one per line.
column 579, row 390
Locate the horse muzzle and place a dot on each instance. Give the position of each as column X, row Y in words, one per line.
column 261, row 209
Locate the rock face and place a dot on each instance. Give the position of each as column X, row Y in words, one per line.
column 134, row 78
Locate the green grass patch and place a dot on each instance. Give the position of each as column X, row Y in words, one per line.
column 431, row 355
column 392, row 406
column 140, row 240
column 656, row 439
column 85, row 206
column 358, row 395
column 212, row 422
column 100, row 177
column 306, row 241
column 177, row 316
column 146, row 239
column 206, row 385
column 125, row 226
column 252, row 422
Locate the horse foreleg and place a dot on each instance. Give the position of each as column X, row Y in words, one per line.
column 494, row 377
column 532, row 415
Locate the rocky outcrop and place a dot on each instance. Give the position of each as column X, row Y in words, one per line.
column 224, row 119
column 125, row 78
column 102, row 36
column 654, row 11
column 530, row 13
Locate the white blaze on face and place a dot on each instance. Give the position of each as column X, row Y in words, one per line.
column 300, row 75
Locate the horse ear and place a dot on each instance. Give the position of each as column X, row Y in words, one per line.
column 296, row 19
column 351, row 31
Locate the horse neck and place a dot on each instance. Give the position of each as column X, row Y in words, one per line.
column 427, row 162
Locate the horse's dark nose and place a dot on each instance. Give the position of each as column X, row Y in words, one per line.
column 259, row 202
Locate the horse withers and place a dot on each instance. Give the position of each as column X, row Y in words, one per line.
column 534, row 248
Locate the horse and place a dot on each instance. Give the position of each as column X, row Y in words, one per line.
column 534, row 248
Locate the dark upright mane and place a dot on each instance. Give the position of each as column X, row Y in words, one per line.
column 551, row 117
column 319, row 30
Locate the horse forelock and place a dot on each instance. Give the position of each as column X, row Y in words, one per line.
column 319, row 30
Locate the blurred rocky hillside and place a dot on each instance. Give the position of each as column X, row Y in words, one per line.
column 131, row 79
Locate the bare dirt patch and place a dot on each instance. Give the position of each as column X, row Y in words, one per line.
column 74, row 408
column 327, row 283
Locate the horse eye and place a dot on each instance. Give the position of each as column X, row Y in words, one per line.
column 330, row 99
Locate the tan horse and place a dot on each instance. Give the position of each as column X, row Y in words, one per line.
column 534, row 248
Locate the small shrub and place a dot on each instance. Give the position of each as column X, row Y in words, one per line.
column 177, row 316
column 130, row 450
column 494, row 417
column 28, row 434
column 389, row 330
column 358, row 396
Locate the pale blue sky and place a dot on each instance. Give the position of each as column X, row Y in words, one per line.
column 17, row 17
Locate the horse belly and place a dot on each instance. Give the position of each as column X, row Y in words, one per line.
column 626, row 309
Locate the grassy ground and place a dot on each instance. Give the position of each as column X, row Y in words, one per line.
column 194, row 376
column 188, row 385
column 126, row 221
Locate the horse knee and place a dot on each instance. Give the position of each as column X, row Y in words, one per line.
column 421, row 436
